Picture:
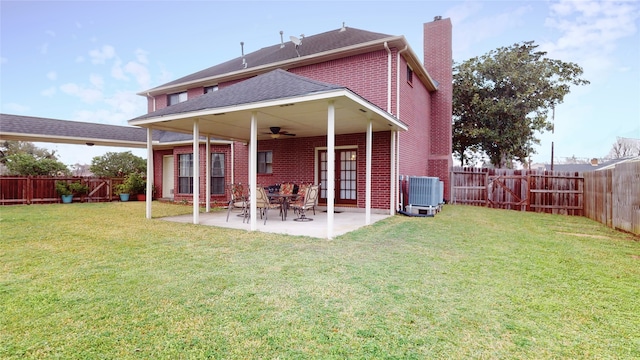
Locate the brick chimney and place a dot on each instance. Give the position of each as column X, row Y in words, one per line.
column 438, row 60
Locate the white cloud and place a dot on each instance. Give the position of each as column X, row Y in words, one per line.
column 140, row 72
column 50, row 33
column 117, row 71
column 14, row 108
column 101, row 116
column 141, row 56
column 101, row 55
column 590, row 31
column 89, row 96
column 127, row 103
column 52, row 75
column 49, row 92
column 96, row 80
column 44, row 48
column 473, row 27
column 80, row 59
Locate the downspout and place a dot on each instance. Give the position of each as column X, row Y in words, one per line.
column 398, row 188
column 389, row 59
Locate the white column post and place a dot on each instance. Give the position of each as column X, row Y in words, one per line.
column 253, row 170
column 207, row 190
column 394, row 180
column 331, row 167
column 367, row 218
column 150, row 179
column 196, row 171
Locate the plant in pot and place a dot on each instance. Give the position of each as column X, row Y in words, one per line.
column 123, row 191
column 67, row 190
column 137, row 185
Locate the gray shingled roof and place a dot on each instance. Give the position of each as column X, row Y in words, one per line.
column 315, row 44
column 64, row 128
column 276, row 84
column 52, row 129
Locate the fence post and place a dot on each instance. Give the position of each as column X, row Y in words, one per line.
column 28, row 191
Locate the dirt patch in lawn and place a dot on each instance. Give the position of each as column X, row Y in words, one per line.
column 587, row 235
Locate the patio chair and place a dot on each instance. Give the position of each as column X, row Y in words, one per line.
column 238, row 200
column 309, row 202
column 263, row 204
column 286, row 188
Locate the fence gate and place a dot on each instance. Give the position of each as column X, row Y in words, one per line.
column 508, row 192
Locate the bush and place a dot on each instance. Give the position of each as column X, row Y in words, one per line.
column 73, row 188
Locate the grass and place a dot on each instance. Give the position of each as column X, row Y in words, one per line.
column 99, row 281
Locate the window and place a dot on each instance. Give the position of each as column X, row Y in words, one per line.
column 185, row 176
column 209, row 89
column 173, row 99
column 264, row 162
column 409, row 75
column 217, row 173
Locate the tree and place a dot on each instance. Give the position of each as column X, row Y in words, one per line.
column 11, row 147
column 24, row 158
column 28, row 164
column 501, row 100
column 624, row 147
column 114, row 164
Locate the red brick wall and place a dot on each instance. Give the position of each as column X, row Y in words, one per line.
column 438, row 62
column 294, row 161
column 364, row 74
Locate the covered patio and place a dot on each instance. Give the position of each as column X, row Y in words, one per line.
column 343, row 222
column 307, row 107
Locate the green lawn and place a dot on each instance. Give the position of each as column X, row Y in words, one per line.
column 84, row 281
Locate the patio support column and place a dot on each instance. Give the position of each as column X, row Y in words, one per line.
column 331, row 167
column 253, row 171
column 207, row 190
column 150, row 184
column 367, row 206
column 394, row 181
column 196, row 171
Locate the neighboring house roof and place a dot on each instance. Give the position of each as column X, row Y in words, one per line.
column 277, row 84
column 38, row 129
column 589, row 167
column 316, row 48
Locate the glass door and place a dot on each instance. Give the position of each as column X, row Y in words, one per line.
column 346, row 176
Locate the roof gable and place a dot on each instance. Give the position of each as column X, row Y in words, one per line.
column 315, row 44
column 276, row 84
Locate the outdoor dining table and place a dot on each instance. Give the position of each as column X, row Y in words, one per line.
column 284, row 200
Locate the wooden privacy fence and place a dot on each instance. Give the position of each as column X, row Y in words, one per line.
column 42, row 189
column 612, row 196
column 524, row 190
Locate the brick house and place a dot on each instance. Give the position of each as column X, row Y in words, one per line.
column 351, row 105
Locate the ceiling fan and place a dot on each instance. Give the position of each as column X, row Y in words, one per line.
column 275, row 132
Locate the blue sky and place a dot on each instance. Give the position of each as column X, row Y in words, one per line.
column 87, row 60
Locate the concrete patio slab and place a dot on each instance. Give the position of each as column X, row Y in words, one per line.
column 343, row 222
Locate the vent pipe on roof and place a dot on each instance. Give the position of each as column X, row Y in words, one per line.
column 343, row 28
column 244, row 61
column 436, row 18
column 281, row 40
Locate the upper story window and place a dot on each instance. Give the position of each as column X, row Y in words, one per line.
column 409, row 74
column 208, row 89
column 173, row 99
column 264, row 162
